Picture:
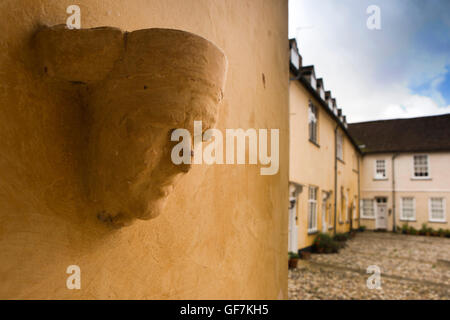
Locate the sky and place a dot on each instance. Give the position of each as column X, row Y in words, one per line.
column 399, row 71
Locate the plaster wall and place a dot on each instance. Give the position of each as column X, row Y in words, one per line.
column 313, row 165
column 223, row 233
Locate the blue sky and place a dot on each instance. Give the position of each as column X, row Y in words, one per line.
column 400, row 71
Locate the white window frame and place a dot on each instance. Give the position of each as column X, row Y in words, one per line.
column 414, row 218
column 313, row 115
column 330, row 104
column 313, row 81
column 363, row 212
column 322, row 93
column 430, row 218
column 340, row 146
column 330, row 218
column 414, row 177
column 295, row 58
column 312, row 202
column 347, row 218
column 375, row 173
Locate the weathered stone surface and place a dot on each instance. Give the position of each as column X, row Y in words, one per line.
column 139, row 86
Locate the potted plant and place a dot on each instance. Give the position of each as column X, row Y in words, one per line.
column 412, row 230
column 293, row 260
column 362, row 228
column 324, row 243
column 424, row 231
column 405, row 229
column 305, row 255
column 441, row 232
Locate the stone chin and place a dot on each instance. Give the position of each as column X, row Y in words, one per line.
column 135, row 89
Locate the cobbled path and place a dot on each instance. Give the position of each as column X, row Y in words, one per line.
column 412, row 267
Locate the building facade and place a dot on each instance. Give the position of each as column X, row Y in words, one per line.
column 324, row 160
column 405, row 172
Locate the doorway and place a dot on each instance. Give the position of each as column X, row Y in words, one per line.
column 381, row 213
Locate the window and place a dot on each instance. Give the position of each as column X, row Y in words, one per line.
column 421, row 166
column 346, row 208
column 339, row 146
column 295, row 59
column 408, row 209
column 312, row 118
column 313, row 81
column 354, row 162
column 380, row 169
column 342, row 205
column 312, row 210
column 437, row 210
column 330, row 219
column 330, row 104
column 368, row 209
column 322, row 93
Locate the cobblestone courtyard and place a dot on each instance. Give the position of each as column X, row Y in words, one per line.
column 412, row 267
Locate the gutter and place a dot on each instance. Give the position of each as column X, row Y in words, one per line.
column 359, row 192
column 394, row 228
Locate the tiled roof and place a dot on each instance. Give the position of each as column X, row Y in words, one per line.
column 425, row 134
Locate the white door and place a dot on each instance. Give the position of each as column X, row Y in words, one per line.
column 324, row 216
column 381, row 222
column 293, row 229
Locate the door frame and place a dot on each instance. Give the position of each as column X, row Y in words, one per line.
column 381, row 201
column 294, row 190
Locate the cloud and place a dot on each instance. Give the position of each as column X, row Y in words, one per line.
column 387, row 73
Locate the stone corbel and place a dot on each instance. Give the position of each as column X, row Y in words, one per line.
column 138, row 87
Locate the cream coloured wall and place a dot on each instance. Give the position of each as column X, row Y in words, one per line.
column 438, row 185
column 223, row 234
column 313, row 165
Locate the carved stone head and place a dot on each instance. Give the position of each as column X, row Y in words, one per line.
column 136, row 88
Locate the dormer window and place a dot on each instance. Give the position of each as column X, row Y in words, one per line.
column 320, row 88
column 295, row 58
column 313, row 81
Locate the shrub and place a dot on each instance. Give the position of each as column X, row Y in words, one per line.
column 425, row 230
column 412, row 231
column 405, row 229
column 362, row 228
column 293, row 255
column 324, row 243
column 341, row 237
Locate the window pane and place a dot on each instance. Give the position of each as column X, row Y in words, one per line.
column 368, row 208
column 408, row 212
column 380, row 169
column 421, row 166
column 437, row 209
